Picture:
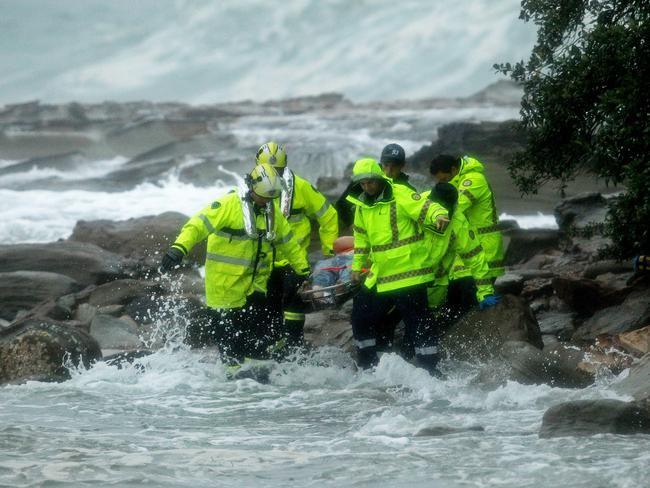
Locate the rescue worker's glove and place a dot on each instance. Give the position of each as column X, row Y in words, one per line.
column 489, row 302
column 171, row 259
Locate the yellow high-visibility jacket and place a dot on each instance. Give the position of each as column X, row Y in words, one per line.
column 476, row 201
column 389, row 233
column 307, row 204
column 458, row 242
column 238, row 264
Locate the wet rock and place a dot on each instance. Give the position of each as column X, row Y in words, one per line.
column 86, row 263
column 509, row 284
column 580, row 212
column 555, row 322
column 587, row 296
column 590, row 417
column 480, row 334
column 330, row 328
column 143, row 238
column 637, row 383
column 440, row 430
column 608, row 266
column 121, row 292
column 115, row 333
column 637, row 341
column 37, row 349
column 632, row 314
column 557, row 366
column 121, row 359
column 527, row 243
column 23, row 290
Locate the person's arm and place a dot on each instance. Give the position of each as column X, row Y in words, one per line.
column 195, row 230
column 471, row 189
column 317, row 207
column 288, row 245
column 361, row 246
column 427, row 213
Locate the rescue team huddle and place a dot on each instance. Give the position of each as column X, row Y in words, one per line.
column 422, row 258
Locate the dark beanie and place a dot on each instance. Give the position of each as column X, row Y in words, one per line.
column 445, row 194
column 393, row 153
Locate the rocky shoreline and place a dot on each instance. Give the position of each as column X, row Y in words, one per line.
column 567, row 317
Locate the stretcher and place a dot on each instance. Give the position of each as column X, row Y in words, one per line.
column 328, row 297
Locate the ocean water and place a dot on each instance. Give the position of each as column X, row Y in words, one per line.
column 173, row 419
column 203, row 51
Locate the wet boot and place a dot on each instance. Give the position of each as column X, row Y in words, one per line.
column 367, row 357
column 430, row 363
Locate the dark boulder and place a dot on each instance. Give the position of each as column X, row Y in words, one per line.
column 121, row 292
column 86, row 263
column 139, row 238
column 23, row 290
column 587, row 296
column 590, row 417
column 479, row 335
column 39, row 349
column 527, row 243
column 632, row 314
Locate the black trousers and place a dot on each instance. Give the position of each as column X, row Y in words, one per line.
column 369, row 312
column 243, row 332
column 461, row 298
column 286, row 305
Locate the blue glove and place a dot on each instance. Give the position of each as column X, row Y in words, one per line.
column 489, row 302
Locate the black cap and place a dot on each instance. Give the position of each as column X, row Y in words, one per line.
column 393, row 153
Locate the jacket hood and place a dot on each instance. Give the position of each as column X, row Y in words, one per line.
column 367, row 168
column 471, row 165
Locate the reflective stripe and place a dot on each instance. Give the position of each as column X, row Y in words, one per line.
column 426, row 351
column 495, row 264
column 394, row 230
column 356, row 228
column 296, row 218
column 441, row 271
column 207, row 223
column 459, row 268
column 366, row 343
column 322, row 210
column 406, row 274
column 247, row 263
column 400, row 243
column 472, row 253
column 491, row 228
column 423, row 212
column 293, row 315
column 469, row 195
column 231, row 235
column 285, row 239
column 361, row 250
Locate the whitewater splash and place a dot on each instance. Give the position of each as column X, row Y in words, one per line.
column 205, row 51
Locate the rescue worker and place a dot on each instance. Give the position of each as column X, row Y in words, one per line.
column 388, row 238
column 299, row 202
column 392, row 161
column 243, row 229
column 476, row 201
column 458, row 241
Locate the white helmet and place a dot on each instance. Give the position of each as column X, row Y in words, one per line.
column 273, row 154
column 264, row 181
